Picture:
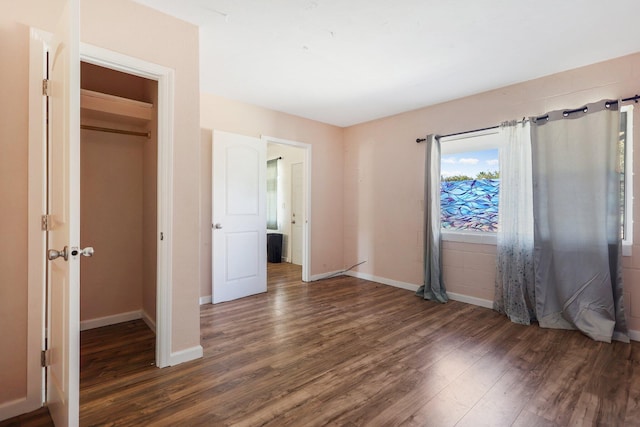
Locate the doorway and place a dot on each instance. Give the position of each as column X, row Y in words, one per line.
column 118, row 197
column 292, row 214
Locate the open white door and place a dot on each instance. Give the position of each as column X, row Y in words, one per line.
column 64, row 206
column 239, row 216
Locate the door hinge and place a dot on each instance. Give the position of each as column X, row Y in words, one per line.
column 45, row 87
column 45, row 358
column 45, row 224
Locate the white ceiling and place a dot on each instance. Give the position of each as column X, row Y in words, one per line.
column 349, row 61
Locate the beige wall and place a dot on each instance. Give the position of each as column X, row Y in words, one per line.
column 111, row 193
column 384, row 170
column 14, row 44
column 327, row 183
column 131, row 29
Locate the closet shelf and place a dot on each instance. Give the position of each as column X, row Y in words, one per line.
column 101, row 106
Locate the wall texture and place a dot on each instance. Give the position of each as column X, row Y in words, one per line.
column 384, row 170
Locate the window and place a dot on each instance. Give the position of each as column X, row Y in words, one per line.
column 272, row 194
column 626, row 178
column 470, row 184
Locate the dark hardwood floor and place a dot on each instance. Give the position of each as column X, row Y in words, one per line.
column 349, row 352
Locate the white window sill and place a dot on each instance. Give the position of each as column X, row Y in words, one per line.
column 483, row 238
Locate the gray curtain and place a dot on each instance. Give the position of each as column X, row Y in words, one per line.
column 514, row 287
column 576, row 202
column 433, row 286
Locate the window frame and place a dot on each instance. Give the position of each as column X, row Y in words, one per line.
column 487, row 139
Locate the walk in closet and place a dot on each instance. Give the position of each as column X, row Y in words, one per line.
column 118, row 193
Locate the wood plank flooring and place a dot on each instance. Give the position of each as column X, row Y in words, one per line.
column 348, row 352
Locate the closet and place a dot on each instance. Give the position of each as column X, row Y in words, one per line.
column 118, row 193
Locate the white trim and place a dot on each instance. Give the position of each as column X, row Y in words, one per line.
column 326, row 275
column 37, row 206
column 634, row 335
column 383, row 280
column 16, row 407
column 412, row 287
column 477, row 237
column 165, row 78
column 186, row 355
column 110, row 320
column 470, row 300
column 306, row 229
column 206, row 300
column 149, row 321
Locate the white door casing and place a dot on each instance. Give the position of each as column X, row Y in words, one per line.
column 239, row 216
column 297, row 214
column 64, row 208
column 165, row 78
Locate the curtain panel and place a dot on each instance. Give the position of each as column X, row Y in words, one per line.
column 576, row 206
column 515, row 287
column 433, row 286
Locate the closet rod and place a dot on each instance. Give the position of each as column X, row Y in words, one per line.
column 120, row 131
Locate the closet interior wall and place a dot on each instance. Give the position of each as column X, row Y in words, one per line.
column 118, row 192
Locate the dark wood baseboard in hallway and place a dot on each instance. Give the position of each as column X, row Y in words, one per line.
column 349, row 352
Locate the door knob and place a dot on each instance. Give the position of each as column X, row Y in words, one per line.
column 217, row 226
column 54, row 254
column 88, row 251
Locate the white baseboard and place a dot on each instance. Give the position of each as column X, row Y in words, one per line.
column 110, row 320
column 206, row 300
column 324, row 275
column 470, row 300
column 383, row 280
column 17, row 407
column 186, row 355
column 634, row 335
column 149, row 321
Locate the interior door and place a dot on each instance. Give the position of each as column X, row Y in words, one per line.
column 239, row 216
column 297, row 216
column 63, row 270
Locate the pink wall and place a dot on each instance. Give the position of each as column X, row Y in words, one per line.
column 384, row 170
column 327, row 189
column 14, row 44
column 111, row 208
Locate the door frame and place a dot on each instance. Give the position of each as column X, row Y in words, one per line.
column 165, row 78
column 306, row 227
column 37, row 205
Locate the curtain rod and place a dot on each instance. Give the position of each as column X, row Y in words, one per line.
column 119, row 131
column 566, row 113
column 277, row 158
